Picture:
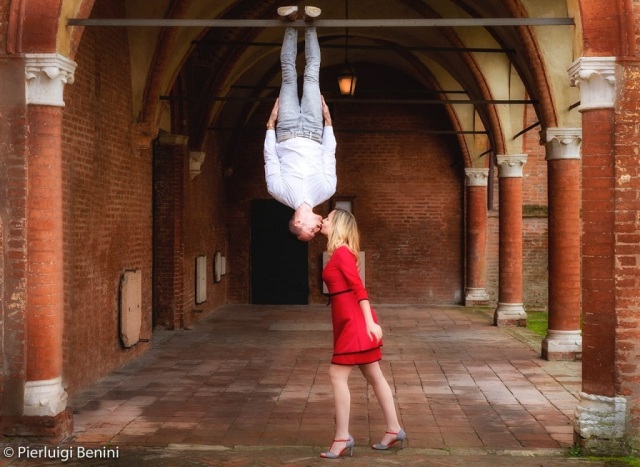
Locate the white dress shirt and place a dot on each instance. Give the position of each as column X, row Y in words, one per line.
column 299, row 170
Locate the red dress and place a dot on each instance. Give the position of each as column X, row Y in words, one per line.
column 351, row 342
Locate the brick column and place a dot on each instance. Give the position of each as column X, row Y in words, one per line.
column 169, row 161
column 476, row 183
column 510, row 310
column 600, row 418
column 45, row 413
column 564, row 337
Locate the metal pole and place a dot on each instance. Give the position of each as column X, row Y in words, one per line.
column 327, row 23
column 375, row 132
column 425, row 48
column 355, row 100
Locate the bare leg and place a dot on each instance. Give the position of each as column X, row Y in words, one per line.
column 339, row 375
column 373, row 373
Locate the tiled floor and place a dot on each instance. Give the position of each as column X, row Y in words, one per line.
column 257, row 376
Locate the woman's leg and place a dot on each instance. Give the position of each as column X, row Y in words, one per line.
column 373, row 373
column 289, row 104
column 311, row 105
column 339, row 375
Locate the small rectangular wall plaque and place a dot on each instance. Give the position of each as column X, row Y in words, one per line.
column 201, row 279
column 130, row 307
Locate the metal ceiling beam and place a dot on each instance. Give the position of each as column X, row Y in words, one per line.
column 366, row 91
column 425, row 48
column 360, row 130
column 323, row 23
column 356, row 100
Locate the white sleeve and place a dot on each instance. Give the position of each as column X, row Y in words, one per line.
column 272, row 172
column 329, row 161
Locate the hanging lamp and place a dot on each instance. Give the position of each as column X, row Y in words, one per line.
column 347, row 77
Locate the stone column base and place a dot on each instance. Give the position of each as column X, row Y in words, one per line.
column 510, row 315
column 562, row 345
column 600, row 424
column 49, row 430
column 45, row 398
column 476, row 297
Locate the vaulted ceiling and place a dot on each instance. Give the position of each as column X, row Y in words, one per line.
column 484, row 75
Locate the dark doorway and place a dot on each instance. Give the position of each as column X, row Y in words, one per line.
column 279, row 262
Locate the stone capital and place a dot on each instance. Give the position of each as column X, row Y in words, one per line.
column 563, row 143
column 596, row 78
column 476, row 177
column 196, row 158
column 142, row 135
column 46, row 74
column 511, row 165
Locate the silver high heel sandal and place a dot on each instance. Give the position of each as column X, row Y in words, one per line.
column 400, row 436
column 330, row 455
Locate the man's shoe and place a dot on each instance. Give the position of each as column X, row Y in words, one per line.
column 289, row 13
column 311, row 13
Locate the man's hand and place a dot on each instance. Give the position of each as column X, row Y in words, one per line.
column 326, row 115
column 271, row 123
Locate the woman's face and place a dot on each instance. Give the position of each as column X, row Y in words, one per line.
column 327, row 224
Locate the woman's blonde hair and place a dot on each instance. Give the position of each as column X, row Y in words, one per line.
column 344, row 232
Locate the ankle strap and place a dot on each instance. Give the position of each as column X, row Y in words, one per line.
column 341, row 440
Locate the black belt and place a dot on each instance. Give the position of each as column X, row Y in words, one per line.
column 337, row 293
column 341, row 292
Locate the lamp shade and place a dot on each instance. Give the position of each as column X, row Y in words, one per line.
column 347, row 80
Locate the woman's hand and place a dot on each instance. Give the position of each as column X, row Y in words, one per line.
column 375, row 331
column 326, row 115
column 271, row 123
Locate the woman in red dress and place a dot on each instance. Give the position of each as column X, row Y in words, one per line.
column 357, row 336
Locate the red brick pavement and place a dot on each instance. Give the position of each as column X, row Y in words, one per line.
column 249, row 386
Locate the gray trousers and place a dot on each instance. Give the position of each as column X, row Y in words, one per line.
column 300, row 117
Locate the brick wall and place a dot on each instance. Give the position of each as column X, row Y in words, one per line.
column 534, row 223
column 408, row 203
column 627, row 244
column 108, row 210
column 243, row 181
column 13, row 179
column 205, row 233
column 107, row 205
column 408, row 192
column 534, row 262
column 169, row 158
column 534, row 186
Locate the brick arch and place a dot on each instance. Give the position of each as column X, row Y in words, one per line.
column 598, row 17
column 33, row 26
column 83, row 10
